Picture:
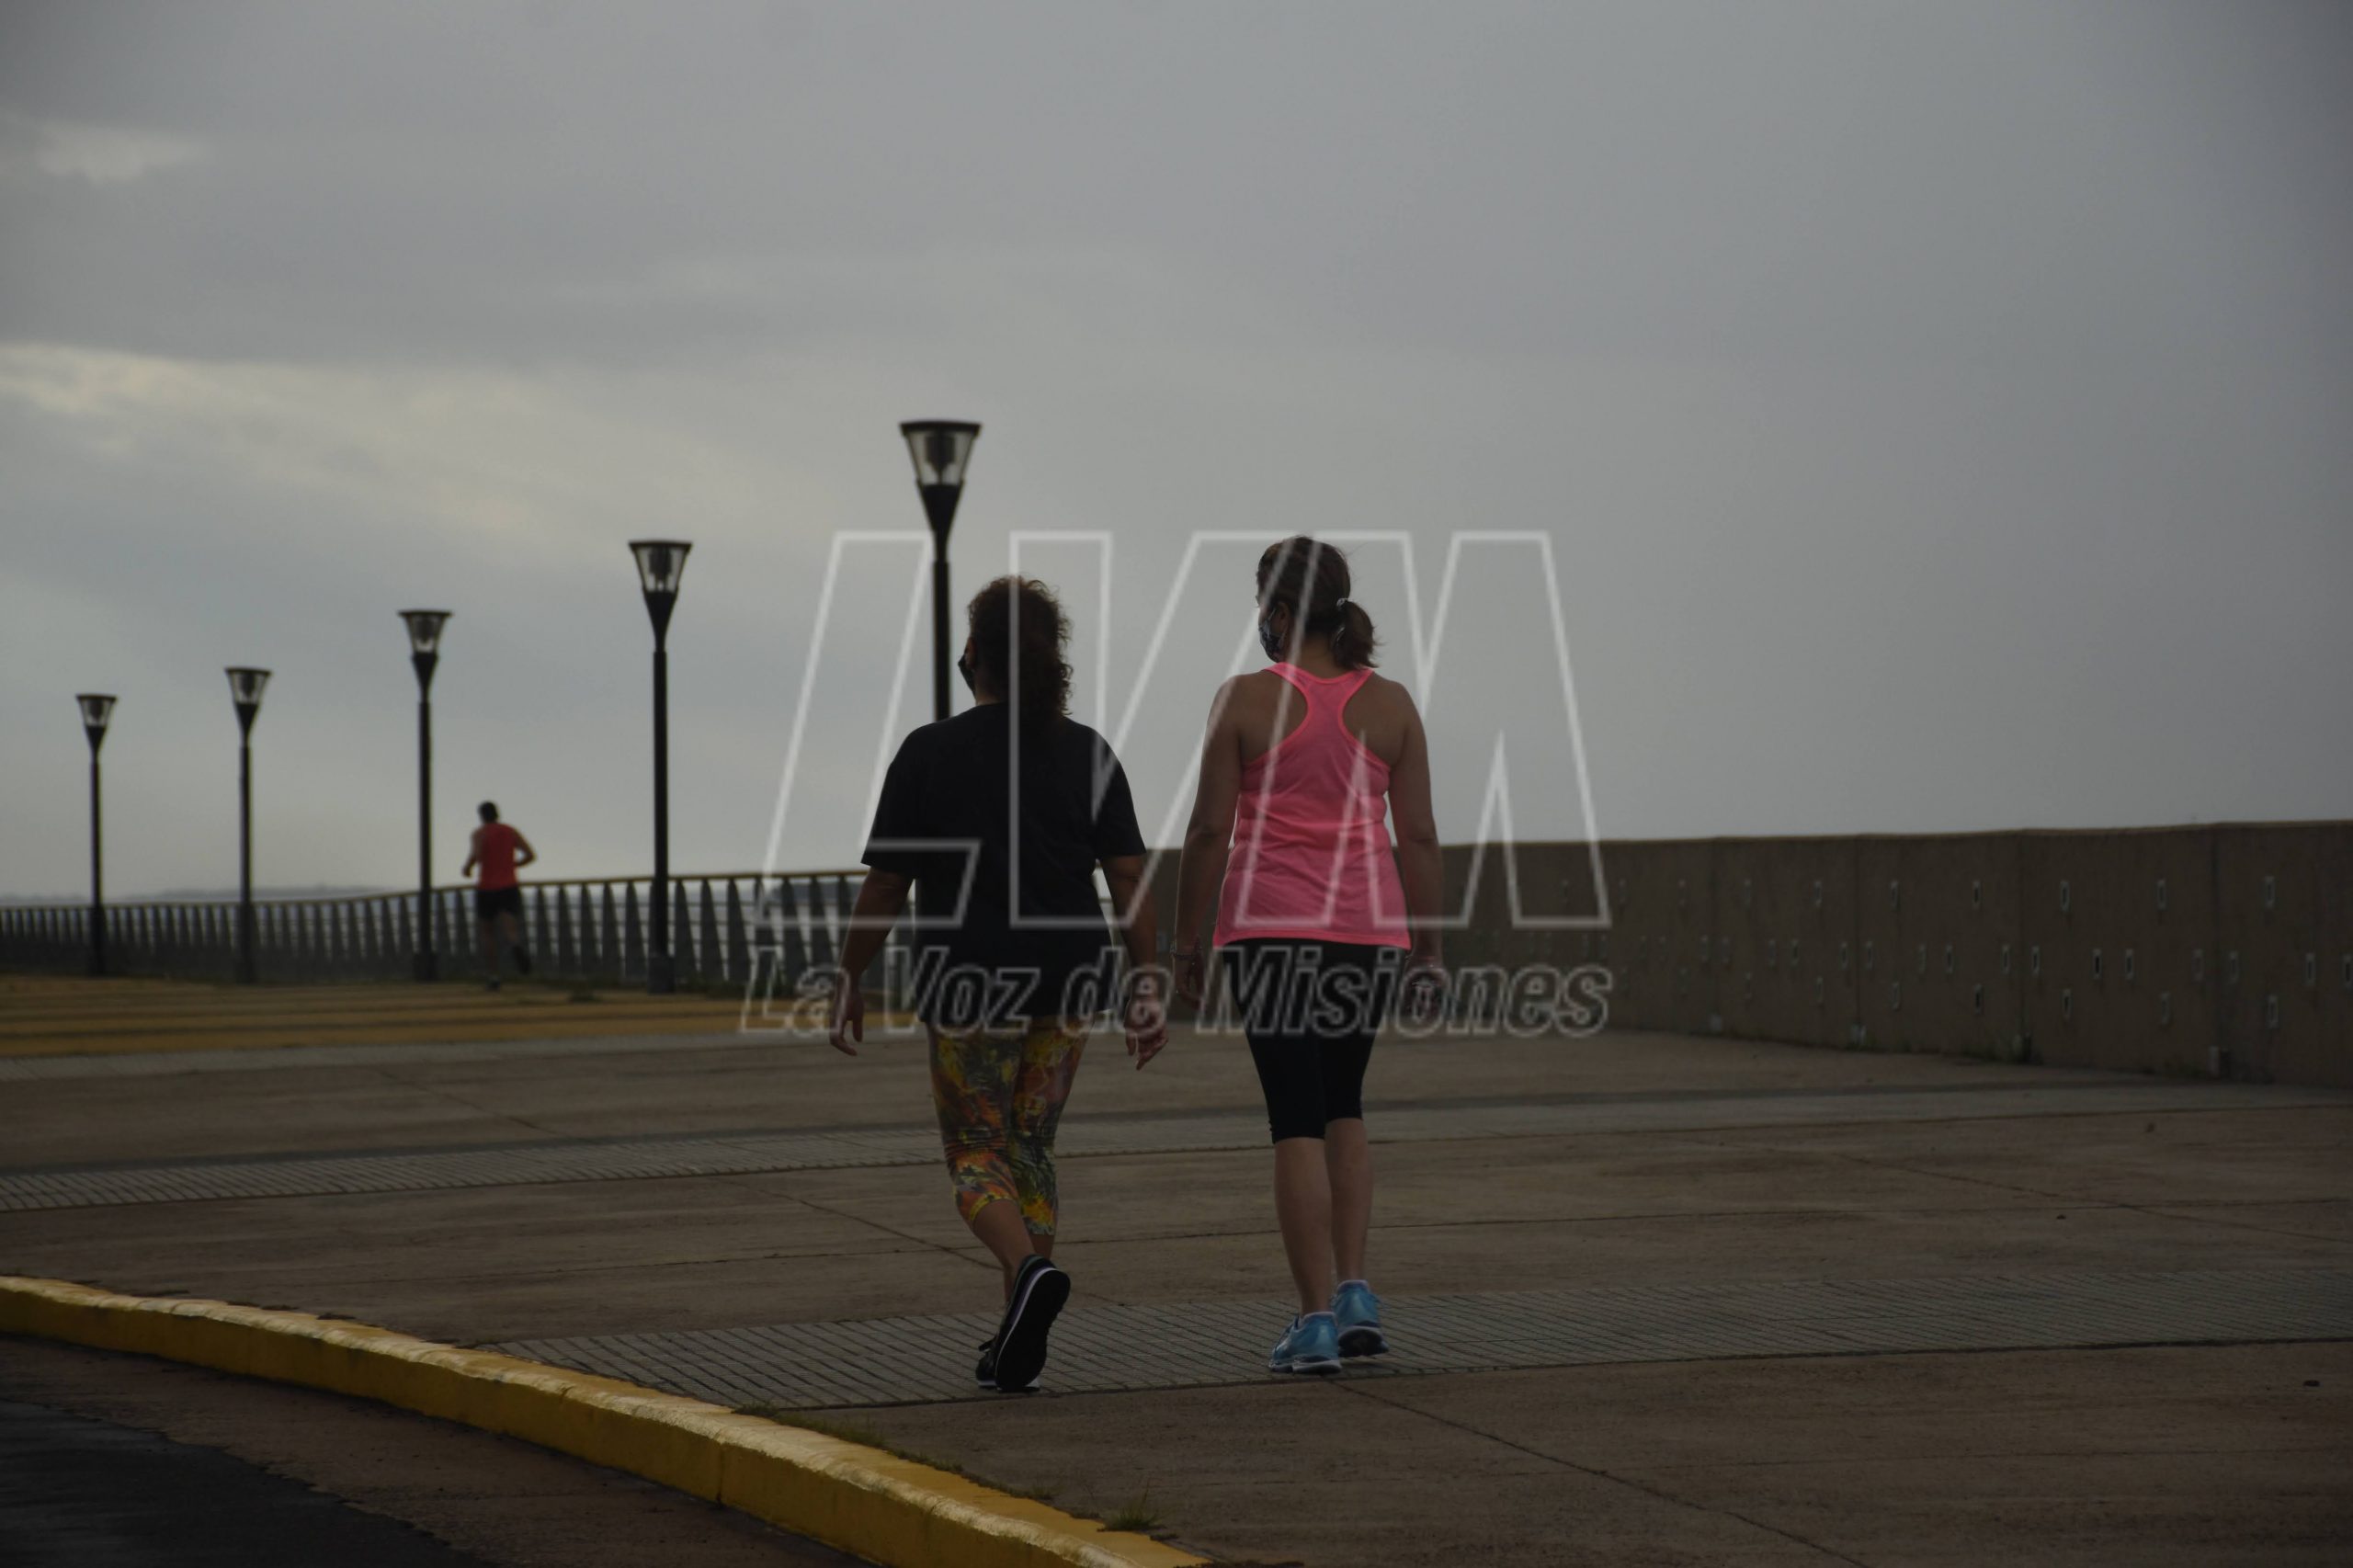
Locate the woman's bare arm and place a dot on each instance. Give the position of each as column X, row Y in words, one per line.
column 1210, row 832
column 1147, row 1012
column 1419, row 864
column 1139, row 923
column 881, row 897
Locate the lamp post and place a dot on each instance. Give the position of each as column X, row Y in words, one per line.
column 424, row 654
column 660, row 563
column 96, row 709
column 245, row 686
column 942, row 450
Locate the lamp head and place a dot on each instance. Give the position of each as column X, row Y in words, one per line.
column 661, row 563
column 425, row 629
column 246, row 685
column 942, row 449
column 424, row 643
column 96, row 709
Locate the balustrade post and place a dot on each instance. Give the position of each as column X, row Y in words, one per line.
column 739, row 948
column 821, row 929
column 632, row 936
column 796, row 950
column 563, row 934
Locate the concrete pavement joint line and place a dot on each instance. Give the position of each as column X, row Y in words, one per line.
column 1116, row 1346
column 553, row 1160
column 1964, row 1456
column 1646, row 1488
column 282, row 1058
column 858, row 1499
column 442, row 1091
column 294, row 1056
column 2171, row 1211
column 962, row 1253
column 2146, row 1210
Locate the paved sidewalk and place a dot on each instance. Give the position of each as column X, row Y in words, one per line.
column 1657, row 1300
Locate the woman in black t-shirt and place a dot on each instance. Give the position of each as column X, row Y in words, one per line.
column 997, row 818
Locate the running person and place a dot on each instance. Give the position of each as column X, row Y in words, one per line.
column 500, row 851
column 997, row 818
column 1318, row 919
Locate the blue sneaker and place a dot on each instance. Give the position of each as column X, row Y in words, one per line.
column 1312, row 1344
column 1358, row 1312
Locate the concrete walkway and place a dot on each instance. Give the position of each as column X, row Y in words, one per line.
column 1657, row 1300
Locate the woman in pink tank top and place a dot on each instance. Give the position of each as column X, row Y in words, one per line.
column 1319, row 916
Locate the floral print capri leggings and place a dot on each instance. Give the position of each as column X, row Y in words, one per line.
column 999, row 1093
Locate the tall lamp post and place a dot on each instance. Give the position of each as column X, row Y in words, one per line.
column 424, row 654
column 660, row 563
column 96, row 709
column 245, row 686
column 942, row 450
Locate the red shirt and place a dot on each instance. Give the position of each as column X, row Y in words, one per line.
column 494, row 844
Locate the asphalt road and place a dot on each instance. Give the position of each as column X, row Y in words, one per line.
column 124, row 1461
column 78, row 1492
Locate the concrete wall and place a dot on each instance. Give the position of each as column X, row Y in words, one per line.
column 2224, row 950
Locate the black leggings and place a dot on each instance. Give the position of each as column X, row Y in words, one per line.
column 1310, row 1010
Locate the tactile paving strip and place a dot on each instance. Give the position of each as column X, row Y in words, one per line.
column 738, row 1153
column 1112, row 1348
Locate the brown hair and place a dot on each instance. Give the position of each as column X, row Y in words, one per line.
column 1017, row 625
column 1312, row 579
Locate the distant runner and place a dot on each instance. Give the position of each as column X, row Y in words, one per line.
column 498, row 897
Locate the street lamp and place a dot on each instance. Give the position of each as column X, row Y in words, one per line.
column 96, row 709
column 660, row 563
column 424, row 653
column 244, row 688
column 942, row 450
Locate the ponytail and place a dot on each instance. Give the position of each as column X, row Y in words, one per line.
column 1312, row 579
column 1353, row 639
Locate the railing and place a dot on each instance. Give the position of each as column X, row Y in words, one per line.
column 593, row 930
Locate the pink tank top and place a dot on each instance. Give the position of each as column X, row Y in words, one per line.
column 1310, row 854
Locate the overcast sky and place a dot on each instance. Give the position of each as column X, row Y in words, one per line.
column 1940, row 415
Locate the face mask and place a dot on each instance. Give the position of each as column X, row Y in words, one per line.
column 964, row 669
column 1269, row 641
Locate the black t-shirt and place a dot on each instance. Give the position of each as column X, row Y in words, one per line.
column 1005, row 933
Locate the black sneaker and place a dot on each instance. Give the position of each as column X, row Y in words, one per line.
column 1038, row 1292
column 985, row 1373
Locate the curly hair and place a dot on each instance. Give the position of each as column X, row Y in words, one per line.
column 1017, row 625
column 1312, row 579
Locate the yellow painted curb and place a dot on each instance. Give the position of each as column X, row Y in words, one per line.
column 858, row 1499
